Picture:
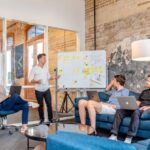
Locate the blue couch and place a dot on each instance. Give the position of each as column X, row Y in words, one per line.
column 73, row 141
column 105, row 120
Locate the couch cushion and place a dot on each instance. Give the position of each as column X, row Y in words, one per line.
column 144, row 124
column 145, row 144
column 148, row 148
column 103, row 96
column 110, row 118
column 131, row 93
column 74, row 141
column 77, row 99
column 140, row 147
column 105, row 117
column 146, row 115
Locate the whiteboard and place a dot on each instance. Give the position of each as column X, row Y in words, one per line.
column 84, row 69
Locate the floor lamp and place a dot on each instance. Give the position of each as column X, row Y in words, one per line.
column 141, row 50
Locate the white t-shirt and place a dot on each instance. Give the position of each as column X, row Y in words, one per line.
column 39, row 73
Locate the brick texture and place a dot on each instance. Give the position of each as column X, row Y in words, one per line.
column 118, row 24
column 111, row 12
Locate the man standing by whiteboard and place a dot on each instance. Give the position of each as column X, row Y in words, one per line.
column 40, row 76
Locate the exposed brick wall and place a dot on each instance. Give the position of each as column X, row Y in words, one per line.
column 108, row 13
column 118, row 24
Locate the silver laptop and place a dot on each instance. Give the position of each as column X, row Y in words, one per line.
column 127, row 102
column 93, row 95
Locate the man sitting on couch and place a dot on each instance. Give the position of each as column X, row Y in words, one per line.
column 143, row 103
column 117, row 89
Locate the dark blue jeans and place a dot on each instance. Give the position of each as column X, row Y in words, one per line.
column 16, row 103
column 134, row 123
column 47, row 97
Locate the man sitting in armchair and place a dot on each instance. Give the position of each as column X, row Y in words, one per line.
column 143, row 103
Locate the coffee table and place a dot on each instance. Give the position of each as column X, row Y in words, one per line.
column 33, row 134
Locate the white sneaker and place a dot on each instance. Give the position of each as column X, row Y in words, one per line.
column 22, row 130
column 128, row 140
column 5, row 121
column 33, row 105
column 113, row 137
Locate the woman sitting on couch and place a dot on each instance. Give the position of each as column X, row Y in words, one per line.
column 116, row 88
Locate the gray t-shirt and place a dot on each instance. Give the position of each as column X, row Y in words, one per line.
column 116, row 93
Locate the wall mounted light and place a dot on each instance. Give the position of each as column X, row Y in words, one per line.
column 141, row 50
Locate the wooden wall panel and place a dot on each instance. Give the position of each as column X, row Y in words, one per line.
column 60, row 41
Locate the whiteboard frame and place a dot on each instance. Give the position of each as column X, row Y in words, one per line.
column 85, row 89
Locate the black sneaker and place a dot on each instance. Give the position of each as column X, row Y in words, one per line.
column 51, row 121
column 48, row 122
column 41, row 122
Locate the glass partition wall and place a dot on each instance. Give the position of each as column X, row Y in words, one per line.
column 24, row 42
column 21, row 42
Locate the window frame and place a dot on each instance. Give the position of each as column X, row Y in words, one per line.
column 10, row 49
column 36, row 36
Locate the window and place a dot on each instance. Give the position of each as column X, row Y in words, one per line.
column 31, row 33
column 35, row 46
column 9, row 58
column 34, row 49
column 30, row 58
column 35, row 31
column 8, row 67
column 39, row 30
column 10, row 41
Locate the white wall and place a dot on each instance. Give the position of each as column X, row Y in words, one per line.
column 66, row 14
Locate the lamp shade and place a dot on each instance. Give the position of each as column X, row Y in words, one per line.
column 141, row 50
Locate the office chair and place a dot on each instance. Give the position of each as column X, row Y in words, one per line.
column 4, row 114
column 3, row 117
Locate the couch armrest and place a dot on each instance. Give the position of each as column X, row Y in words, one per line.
column 146, row 115
column 77, row 99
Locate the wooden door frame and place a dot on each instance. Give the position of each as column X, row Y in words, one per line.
column 34, row 43
column 27, row 43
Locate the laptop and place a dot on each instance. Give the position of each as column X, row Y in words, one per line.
column 127, row 102
column 93, row 95
column 15, row 90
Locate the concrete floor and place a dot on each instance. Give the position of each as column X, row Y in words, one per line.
column 16, row 118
